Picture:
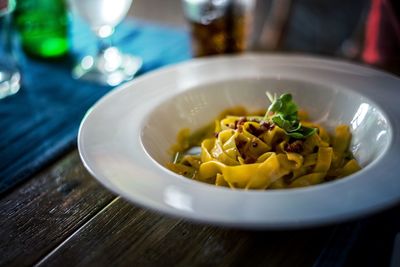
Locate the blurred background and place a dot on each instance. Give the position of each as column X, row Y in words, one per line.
column 169, row 12
column 80, row 34
column 363, row 30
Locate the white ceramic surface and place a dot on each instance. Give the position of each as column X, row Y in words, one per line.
column 123, row 140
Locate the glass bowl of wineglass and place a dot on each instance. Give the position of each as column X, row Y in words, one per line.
column 109, row 66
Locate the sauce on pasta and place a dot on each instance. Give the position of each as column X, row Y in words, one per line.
column 251, row 151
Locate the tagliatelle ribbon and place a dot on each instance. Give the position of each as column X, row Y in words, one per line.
column 248, row 154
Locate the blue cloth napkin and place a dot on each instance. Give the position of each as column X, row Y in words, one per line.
column 41, row 121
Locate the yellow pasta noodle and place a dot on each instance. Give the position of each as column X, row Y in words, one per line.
column 247, row 151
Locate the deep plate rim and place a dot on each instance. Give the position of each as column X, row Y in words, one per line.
column 240, row 222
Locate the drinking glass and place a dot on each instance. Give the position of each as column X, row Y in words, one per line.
column 219, row 26
column 9, row 73
column 109, row 66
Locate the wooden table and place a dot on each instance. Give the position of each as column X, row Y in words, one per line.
column 64, row 217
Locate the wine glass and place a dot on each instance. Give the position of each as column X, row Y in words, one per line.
column 109, row 66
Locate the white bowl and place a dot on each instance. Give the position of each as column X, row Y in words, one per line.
column 124, row 139
column 326, row 104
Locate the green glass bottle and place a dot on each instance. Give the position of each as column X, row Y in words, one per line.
column 43, row 27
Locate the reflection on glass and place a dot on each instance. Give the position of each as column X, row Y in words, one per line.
column 109, row 66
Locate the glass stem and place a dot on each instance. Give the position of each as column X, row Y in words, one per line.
column 102, row 45
column 104, row 40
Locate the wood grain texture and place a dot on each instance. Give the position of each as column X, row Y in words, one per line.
column 40, row 214
column 125, row 235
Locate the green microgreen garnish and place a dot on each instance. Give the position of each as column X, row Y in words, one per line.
column 283, row 113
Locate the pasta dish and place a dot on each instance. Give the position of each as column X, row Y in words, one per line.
column 272, row 149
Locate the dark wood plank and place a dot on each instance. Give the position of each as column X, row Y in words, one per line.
column 125, row 235
column 374, row 247
column 37, row 216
